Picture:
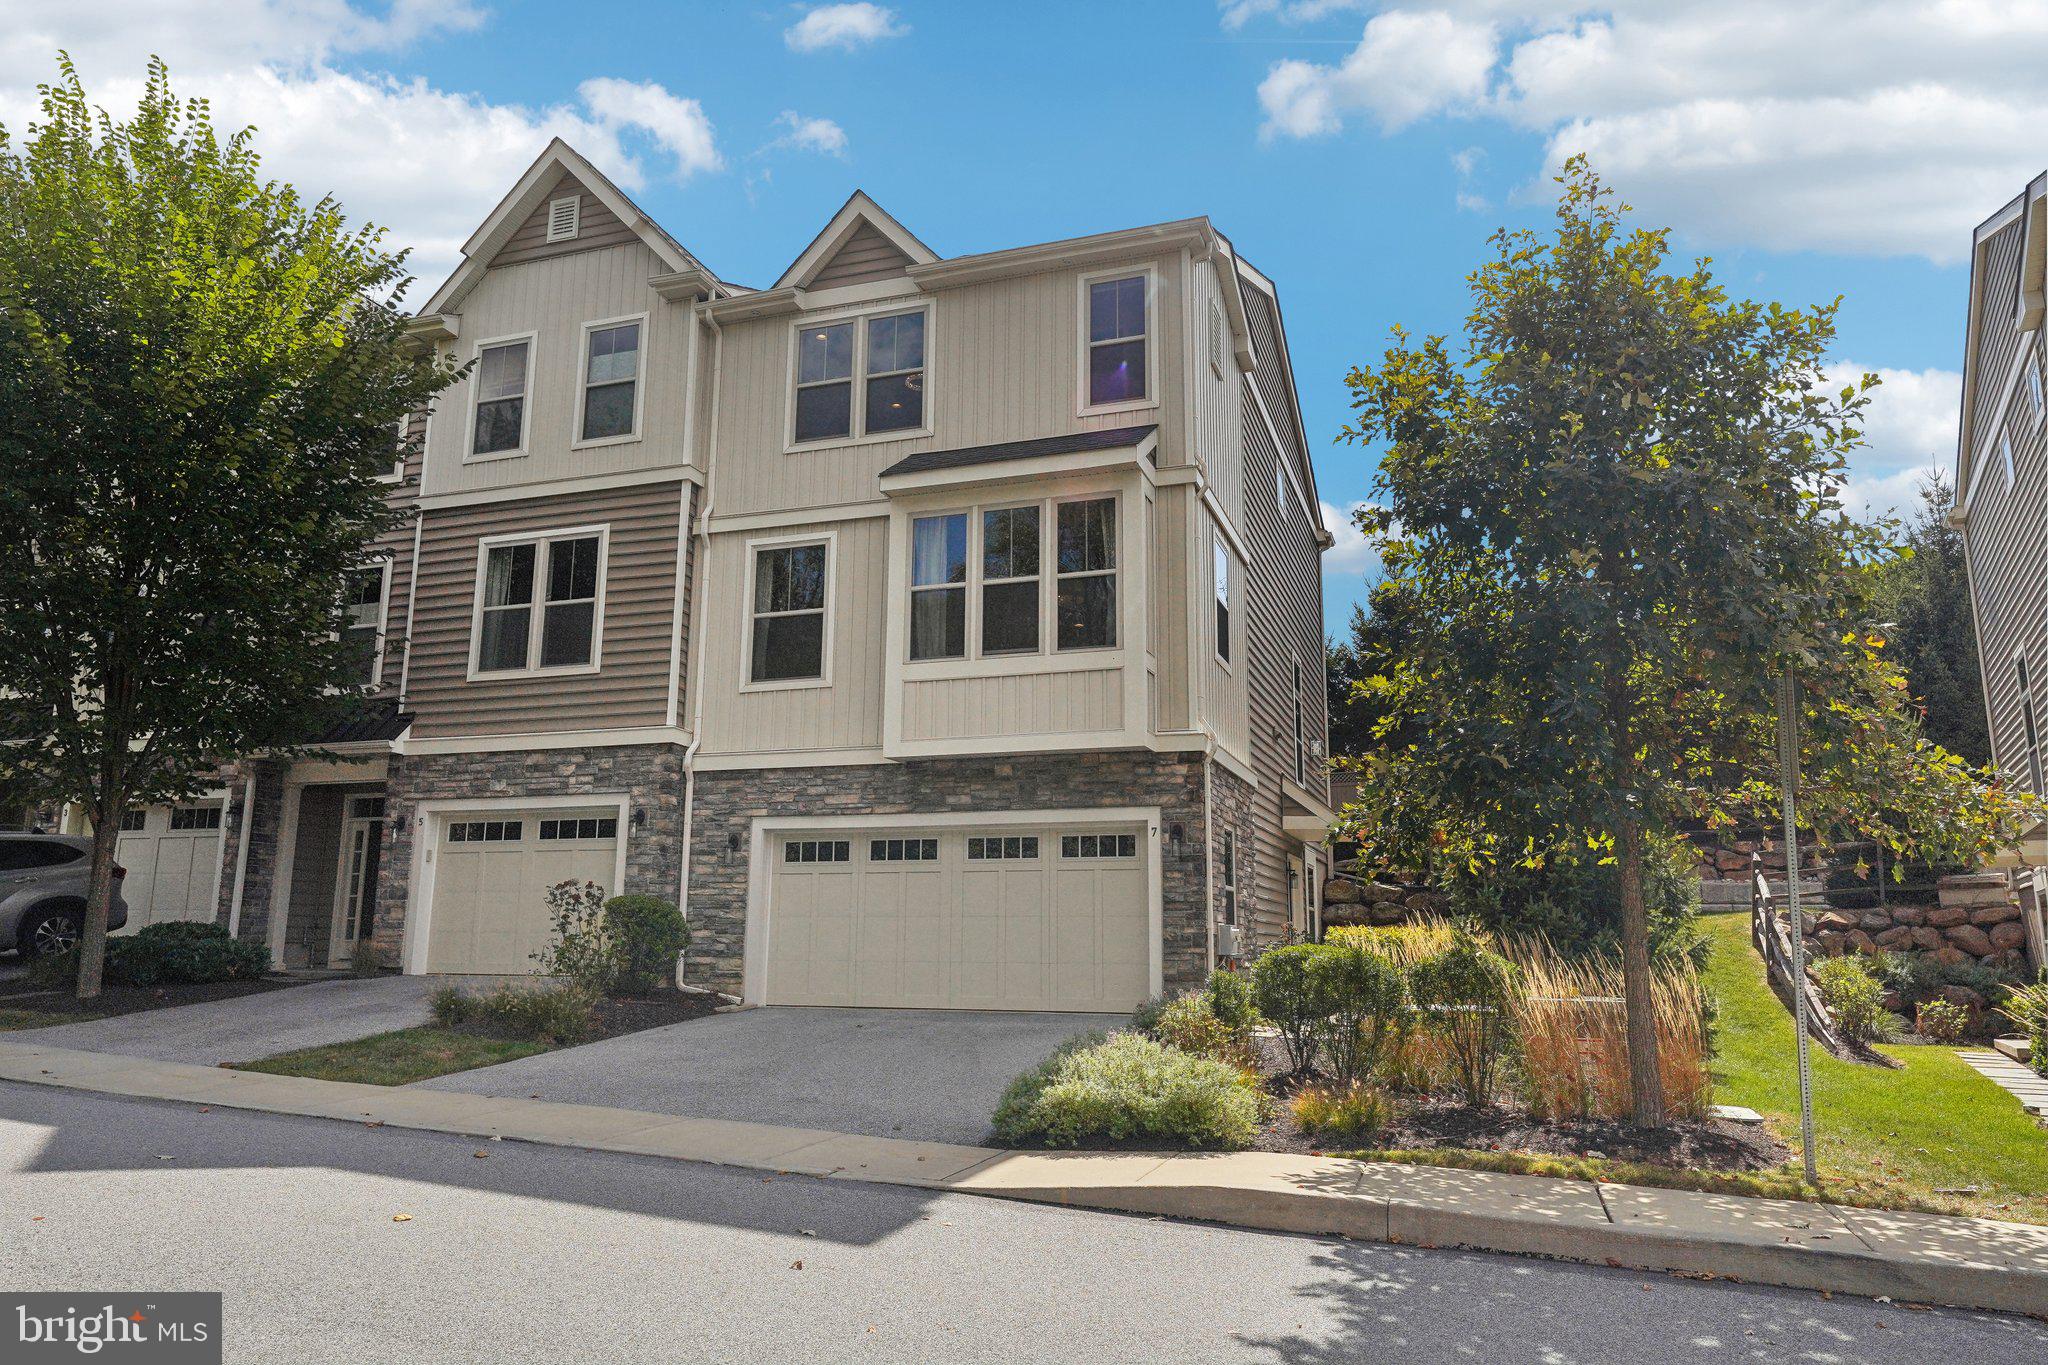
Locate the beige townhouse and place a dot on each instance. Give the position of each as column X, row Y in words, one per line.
column 938, row 631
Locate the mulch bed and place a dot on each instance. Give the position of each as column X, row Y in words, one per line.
column 112, row 1000
column 620, row 1014
column 1428, row 1123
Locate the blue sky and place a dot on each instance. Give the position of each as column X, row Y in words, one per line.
column 1360, row 153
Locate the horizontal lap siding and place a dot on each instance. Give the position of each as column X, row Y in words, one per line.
column 1283, row 622
column 631, row 687
column 867, row 256
column 598, row 227
column 2009, row 565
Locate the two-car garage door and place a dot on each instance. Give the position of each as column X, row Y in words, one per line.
column 1053, row 918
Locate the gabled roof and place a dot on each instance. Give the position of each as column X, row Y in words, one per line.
column 2024, row 296
column 557, row 160
column 856, row 211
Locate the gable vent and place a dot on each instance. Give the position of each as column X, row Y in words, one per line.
column 563, row 217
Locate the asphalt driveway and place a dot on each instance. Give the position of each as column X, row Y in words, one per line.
column 928, row 1074
column 252, row 1026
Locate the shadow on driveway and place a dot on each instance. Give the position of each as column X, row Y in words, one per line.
column 933, row 1075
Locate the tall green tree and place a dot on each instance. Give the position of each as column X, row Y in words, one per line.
column 1924, row 597
column 1608, row 527
column 201, row 377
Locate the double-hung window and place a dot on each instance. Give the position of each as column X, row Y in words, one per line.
column 1229, row 877
column 500, row 421
column 362, row 621
column 1117, row 364
column 885, row 354
column 1222, row 585
column 1009, row 579
column 611, row 382
column 518, row 634
column 938, row 587
column 788, row 623
column 1086, row 605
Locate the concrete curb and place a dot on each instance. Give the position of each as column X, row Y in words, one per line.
column 1921, row 1258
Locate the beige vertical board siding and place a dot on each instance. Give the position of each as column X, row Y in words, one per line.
column 554, row 298
column 865, row 257
column 1218, row 399
column 847, row 714
column 1225, row 689
column 1283, row 620
column 1002, row 363
column 1171, row 701
column 631, row 687
column 1081, row 703
column 598, row 227
column 1998, row 337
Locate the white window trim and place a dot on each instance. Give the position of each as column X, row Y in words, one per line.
column 828, row 539
column 583, row 383
column 1219, row 344
column 383, row 565
column 2037, row 399
column 859, row 316
column 1082, row 407
column 538, row 606
column 476, row 353
column 397, row 473
column 1032, row 660
column 575, row 202
column 1219, row 647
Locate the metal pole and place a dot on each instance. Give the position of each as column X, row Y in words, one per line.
column 1788, row 784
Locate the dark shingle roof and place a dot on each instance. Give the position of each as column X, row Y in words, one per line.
column 379, row 721
column 1074, row 444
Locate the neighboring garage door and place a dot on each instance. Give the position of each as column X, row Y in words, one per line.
column 1004, row 919
column 172, row 854
column 491, row 876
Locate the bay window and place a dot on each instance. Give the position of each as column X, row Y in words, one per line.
column 1087, row 574
column 938, row 587
column 978, row 579
column 1009, row 580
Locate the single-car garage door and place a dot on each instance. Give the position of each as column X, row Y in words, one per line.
column 998, row 918
column 491, row 875
column 172, row 854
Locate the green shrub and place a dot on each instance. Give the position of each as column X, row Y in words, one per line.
column 1145, row 1018
column 1941, row 1021
column 1569, row 898
column 1128, row 1088
column 1368, row 1011
column 579, row 948
column 1230, row 1000
column 1189, row 1023
column 549, row 1014
column 182, row 952
column 1466, row 992
column 1853, row 994
column 2027, row 1007
column 54, row 971
column 363, row 960
column 1289, row 993
column 1352, row 1113
column 647, row 935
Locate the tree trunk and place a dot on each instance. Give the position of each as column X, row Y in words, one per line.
column 99, row 899
column 1645, row 1082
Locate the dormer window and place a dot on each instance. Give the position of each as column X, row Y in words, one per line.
column 565, row 217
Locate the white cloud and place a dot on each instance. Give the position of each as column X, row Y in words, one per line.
column 845, row 26
column 1909, row 428
column 810, row 134
column 424, row 162
column 1352, row 553
column 1406, row 67
column 1886, row 126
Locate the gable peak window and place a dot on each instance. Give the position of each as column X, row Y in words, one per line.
column 516, row 634
column 501, row 397
column 789, row 613
column 1117, row 341
column 886, row 352
column 565, row 217
column 611, row 382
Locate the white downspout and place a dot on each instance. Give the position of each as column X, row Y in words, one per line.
column 242, row 854
column 694, row 674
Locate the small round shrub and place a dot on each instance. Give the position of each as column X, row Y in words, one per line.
column 647, row 935
column 1230, row 999
column 1368, row 1010
column 1853, row 995
column 1189, row 1023
column 1465, row 992
column 183, row 952
column 1941, row 1021
column 1291, row 995
column 1351, row 1113
column 1127, row 1088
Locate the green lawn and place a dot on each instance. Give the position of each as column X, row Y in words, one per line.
column 412, row 1054
column 1911, row 1138
column 11, row 1019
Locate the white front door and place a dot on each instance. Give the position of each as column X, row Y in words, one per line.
column 172, row 855
column 355, row 880
column 998, row 918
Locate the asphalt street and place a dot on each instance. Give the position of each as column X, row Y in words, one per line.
column 545, row 1254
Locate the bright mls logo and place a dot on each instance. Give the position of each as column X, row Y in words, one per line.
column 169, row 1329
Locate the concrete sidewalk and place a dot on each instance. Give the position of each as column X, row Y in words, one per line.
column 1968, row 1263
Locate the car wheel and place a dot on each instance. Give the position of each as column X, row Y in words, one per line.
column 46, row 933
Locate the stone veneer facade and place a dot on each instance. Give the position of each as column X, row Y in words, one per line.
column 268, row 817
column 651, row 775
column 1232, row 811
column 727, row 803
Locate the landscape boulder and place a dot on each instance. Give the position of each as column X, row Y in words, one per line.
column 1971, row 940
column 1948, row 916
column 1984, row 916
column 2008, row 936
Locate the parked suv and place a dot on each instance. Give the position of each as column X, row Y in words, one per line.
column 43, row 881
